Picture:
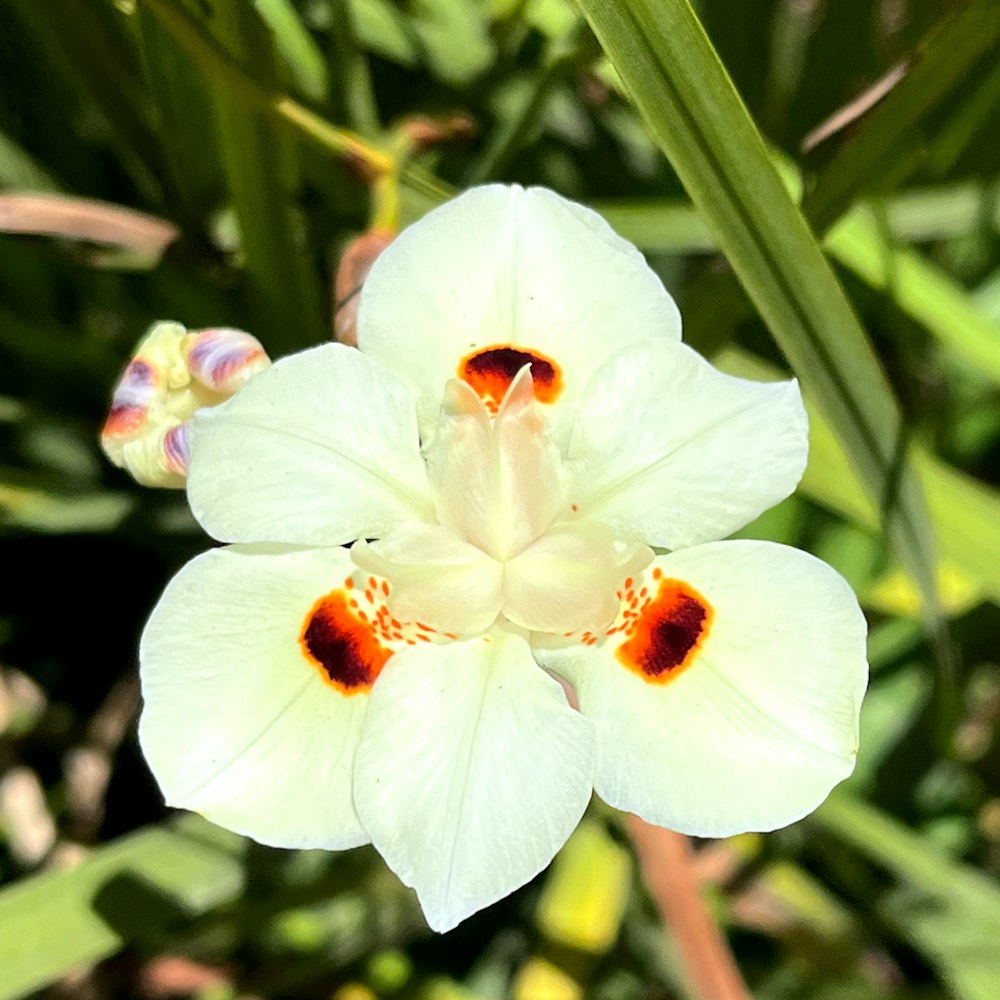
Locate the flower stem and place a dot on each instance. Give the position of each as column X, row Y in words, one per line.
column 668, row 870
column 219, row 67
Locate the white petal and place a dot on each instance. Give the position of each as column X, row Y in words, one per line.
column 497, row 484
column 753, row 727
column 436, row 578
column 566, row 581
column 504, row 269
column 472, row 772
column 239, row 722
column 668, row 449
column 320, row 449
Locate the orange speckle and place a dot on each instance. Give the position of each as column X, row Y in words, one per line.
column 425, row 628
column 369, row 596
column 657, row 573
column 450, row 635
column 385, row 587
column 349, row 582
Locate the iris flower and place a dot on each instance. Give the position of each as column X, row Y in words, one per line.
column 435, row 536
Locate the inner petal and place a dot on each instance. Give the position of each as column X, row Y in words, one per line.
column 566, row 581
column 499, row 483
column 435, row 578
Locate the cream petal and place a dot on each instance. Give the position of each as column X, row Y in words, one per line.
column 497, row 483
column 566, row 580
column 436, row 578
column 256, row 675
column 500, row 277
column 672, row 451
column 730, row 701
column 472, row 772
column 320, row 449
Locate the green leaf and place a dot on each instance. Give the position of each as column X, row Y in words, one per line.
column 297, row 48
column 134, row 887
column 948, row 911
column 881, row 149
column 924, row 292
column 964, row 512
column 261, row 170
column 682, row 91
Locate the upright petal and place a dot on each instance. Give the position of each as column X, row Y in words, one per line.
column 256, row 672
column 497, row 483
column 320, row 449
column 501, row 277
column 672, row 451
column 726, row 695
column 472, row 772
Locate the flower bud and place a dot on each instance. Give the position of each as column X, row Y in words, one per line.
column 173, row 373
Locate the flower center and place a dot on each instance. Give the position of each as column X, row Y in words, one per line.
column 505, row 542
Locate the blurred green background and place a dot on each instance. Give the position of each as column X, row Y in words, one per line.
column 209, row 115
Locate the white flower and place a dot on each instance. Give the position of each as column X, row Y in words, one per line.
column 310, row 695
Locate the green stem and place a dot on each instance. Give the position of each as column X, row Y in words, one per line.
column 219, row 67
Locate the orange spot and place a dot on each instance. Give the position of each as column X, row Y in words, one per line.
column 341, row 646
column 124, row 420
column 490, row 371
column 668, row 633
column 369, row 597
column 385, row 587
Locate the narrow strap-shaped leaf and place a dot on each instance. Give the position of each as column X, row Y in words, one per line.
column 260, row 166
column 882, row 147
column 682, row 91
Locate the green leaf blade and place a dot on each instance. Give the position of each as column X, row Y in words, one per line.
column 687, row 100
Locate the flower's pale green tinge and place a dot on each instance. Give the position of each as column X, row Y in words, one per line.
column 519, row 429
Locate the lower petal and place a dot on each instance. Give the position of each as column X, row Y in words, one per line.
column 726, row 695
column 472, row 772
column 256, row 671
